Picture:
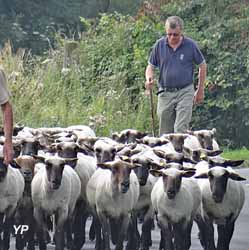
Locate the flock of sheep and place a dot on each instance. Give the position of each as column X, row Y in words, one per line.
column 62, row 176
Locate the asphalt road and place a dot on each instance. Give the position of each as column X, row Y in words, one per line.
column 240, row 240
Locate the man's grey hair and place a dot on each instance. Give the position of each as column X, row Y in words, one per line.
column 174, row 21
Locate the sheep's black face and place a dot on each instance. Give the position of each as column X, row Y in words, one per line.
column 67, row 150
column 3, row 170
column 177, row 140
column 30, row 147
column 54, row 174
column 172, row 185
column 218, row 185
column 142, row 172
column 105, row 155
column 121, row 178
column 206, row 140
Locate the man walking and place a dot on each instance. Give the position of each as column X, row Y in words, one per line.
column 7, row 119
column 175, row 55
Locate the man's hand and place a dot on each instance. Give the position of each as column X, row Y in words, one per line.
column 149, row 83
column 148, row 86
column 8, row 152
column 199, row 96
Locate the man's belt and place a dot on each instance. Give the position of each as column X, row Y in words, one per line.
column 170, row 89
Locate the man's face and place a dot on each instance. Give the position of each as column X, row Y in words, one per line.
column 173, row 35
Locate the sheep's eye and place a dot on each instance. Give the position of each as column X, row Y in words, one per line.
column 48, row 166
column 200, row 136
column 98, row 150
column 210, row 176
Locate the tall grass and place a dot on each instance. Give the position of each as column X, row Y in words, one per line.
column 102, row 88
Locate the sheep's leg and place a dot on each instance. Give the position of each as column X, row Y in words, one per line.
column 179, row 232
column 105, row 230
column 146, row 241
column 166, row 234
column 68, row 229
column 162, row 241
column 61, row 218
column 225, row 233
column 133, row 236
column 79, row 225
column 7, row 227
column 1, row 230
column 188, row 235
column 31, row 235
column 209, row 234
column 42, row 228
column 201, row 226
column 20, row 240
column 97, row 228
column 6, row 233
column 121, row 236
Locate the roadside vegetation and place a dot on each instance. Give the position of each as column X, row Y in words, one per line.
column 102, row 86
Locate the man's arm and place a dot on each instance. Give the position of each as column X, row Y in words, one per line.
column 8, row 130
column 199, row 94
column 149, row 72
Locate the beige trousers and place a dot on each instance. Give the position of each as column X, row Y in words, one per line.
column 174, row 110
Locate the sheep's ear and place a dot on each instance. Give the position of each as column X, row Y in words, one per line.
column 188, row 173
column 187, row 160
column 156, row 173
column 119, row 147
column 139, row 140
column 70, row 160
column 186, row 150
column 156, row 166
column 115, row 136
column 213, row 152
column 15, row 164
column 190, row 132
column 125, row 158
column 201, row 175
column 213, row 130
column 233, row 163
column 104, row 165
column 159, row 153
column 39, row 158
column 135, row 165
column 234, row 176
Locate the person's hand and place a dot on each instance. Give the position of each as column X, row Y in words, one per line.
column 148, row 86
column 199, row 96
column 149, row 83
column 8, row 152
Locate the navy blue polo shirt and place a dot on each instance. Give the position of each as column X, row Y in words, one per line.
column 176, row 66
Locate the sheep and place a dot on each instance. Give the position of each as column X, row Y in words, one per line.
column 55, row 190
column 128, row 135
column 205, row 138
column 143, row 208
column 84, row 167
column 153, row 141
column 175, row 201
column 24, row 213
column 177, row 139
column 11, row 191
column 223, row 197
column 112, row 192
column 105, row 150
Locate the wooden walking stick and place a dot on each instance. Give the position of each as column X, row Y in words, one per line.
column 152, row 111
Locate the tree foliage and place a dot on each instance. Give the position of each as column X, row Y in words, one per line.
column 104, row 85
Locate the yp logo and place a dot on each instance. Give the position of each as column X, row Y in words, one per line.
column 21, row 229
